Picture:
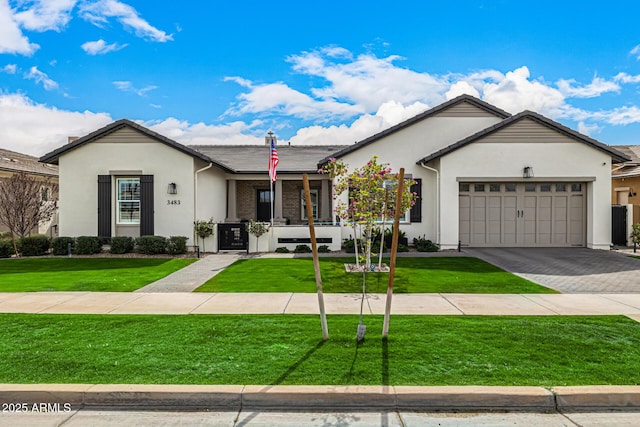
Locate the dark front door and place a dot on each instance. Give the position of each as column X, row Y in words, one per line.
column 264, row 206
column 619, row 225
column 232, row 237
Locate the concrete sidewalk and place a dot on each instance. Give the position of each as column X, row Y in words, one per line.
column 307, row 303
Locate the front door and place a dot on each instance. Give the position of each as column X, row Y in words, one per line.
column 263, row 212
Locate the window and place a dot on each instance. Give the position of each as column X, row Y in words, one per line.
column 478, row 188
column 464, row 188
column 529, row 187
column 510, row 187
column 128, row 200
column 494, row 188
column 44, row 194
column 561, row 188
column 314, row 204
column 545, row 188
column 576, row 187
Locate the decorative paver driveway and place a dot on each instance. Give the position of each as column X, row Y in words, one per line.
column 568, row 270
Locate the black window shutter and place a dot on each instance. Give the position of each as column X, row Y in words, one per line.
column 415, row 215
column 146, row 205
column 104, row 205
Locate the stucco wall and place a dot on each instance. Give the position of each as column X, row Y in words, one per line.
column 79, row 169
column 549, row 160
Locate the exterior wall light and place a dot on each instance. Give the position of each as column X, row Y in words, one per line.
column 527, row 172
column 172, row 188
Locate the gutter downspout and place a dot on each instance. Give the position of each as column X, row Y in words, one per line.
column 195, row 199
column 437, row 172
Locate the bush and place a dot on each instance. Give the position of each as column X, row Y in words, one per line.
column 302, row 249
column 177, row 245
column 349, row 246
column 88, row 245
column 5, row 235
column 323, row 249
column 424, row 245
column 122, row 245
column 151, row 245
column 282, row 250
column 37, row 245
column 60, row 245
column 6, row 248
column 403, row 248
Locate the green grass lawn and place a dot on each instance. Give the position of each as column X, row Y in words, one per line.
column 84, row 274
column 288, row 349
column 413, row 275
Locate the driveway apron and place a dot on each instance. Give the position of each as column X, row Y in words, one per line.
column 568, row 270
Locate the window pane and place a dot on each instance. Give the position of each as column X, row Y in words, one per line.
column 479, row 188
column 128, row 200
column 494, row 187
column 545, row 188
column 129, row 212
column 576, row 187
column 464, row 188
column 314, row 204
column 529, row 187
column 128, row 189
column 510, row 187
column 561, row 187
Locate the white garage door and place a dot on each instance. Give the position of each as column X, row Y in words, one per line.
column 522, row 214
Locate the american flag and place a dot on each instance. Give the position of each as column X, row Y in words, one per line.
column 273, row 161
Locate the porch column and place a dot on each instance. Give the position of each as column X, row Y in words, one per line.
column 232, row 215
column 277, row 203
column 325, row 203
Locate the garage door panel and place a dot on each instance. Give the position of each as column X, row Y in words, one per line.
column 534, row 214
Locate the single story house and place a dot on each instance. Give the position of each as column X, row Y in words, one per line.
column 484, row 178
column 12, row 162
column 625, row 185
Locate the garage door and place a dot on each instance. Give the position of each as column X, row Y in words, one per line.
column 522, row 214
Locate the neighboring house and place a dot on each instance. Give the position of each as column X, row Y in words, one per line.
column 12, row 162
column 484, row 178
column 625, row 185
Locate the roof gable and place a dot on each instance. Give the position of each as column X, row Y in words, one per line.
column 524, row 120
column 116, row 126
column 13, row 162
column 461, row 106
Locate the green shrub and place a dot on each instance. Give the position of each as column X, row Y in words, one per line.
column 177, row 245
column 323, row 249
column 349, row 246
column 122, row 245
column 88, row 245
column 282, row 250
column 60, row 245
column 5, row 235
column 403, row 248
column 151, row 245
column 424, row 245
column 37, row 245
column 302, row 249
column 6, row 248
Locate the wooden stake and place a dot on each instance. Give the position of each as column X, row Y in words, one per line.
column 316, row 261
column 394, row 252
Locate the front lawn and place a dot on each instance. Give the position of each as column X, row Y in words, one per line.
column 288, row 349
column 85, row 274
column 413, row 275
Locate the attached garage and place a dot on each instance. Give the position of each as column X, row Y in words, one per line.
column 522, row 214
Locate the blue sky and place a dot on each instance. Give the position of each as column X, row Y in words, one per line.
column 208, row 72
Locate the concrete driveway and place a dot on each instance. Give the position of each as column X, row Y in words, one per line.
column 568, row 270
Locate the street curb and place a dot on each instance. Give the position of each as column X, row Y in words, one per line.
column 238, row 397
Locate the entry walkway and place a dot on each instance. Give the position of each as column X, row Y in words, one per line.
column 307, row 303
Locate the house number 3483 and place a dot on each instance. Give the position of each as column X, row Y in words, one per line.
column 173, row 202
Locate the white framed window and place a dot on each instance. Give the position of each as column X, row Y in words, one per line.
column 391, row 185
column 128, row 200
column 314, row 204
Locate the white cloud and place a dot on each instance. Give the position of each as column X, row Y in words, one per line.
column 636, row 51
column 627, row 78
column 45, row 15
column 588, row 129
column 98, row 13
column 40, row 77
column 100, row 47
column 127, row 86
column 10, row 68
column 36, row 129
column 11, row 38
column 234, row 133
column 597, row 87
column 461, row 88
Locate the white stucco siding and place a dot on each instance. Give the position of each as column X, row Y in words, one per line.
column 402, row 149
column 79, row 169
column 211, row 200
column 568, row 160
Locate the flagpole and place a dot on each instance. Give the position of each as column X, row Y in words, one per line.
column 271, row 197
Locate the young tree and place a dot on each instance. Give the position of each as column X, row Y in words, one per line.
column 203, row 230
column 257, row 229
column 372, row 190
column 26, row 202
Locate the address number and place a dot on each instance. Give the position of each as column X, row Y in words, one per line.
column 173, row 202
